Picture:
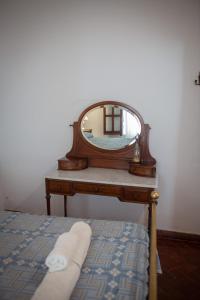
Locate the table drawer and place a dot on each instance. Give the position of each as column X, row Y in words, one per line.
column 110, row 190
column 59, row 187
column 99, row 189
column 136, row 195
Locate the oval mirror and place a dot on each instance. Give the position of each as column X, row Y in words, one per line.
column 110, row 127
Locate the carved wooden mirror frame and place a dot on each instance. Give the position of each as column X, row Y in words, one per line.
column 84, row 154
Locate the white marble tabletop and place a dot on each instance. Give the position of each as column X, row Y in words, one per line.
column 107, row 176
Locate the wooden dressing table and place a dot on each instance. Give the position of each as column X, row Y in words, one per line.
column 117, row 164
column 103, row 164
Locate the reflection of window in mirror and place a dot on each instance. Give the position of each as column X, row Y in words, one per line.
column 130, row 125
column 84, row 122
column 112, row 120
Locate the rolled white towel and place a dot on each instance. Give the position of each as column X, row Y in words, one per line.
column 58, row 285
column 73, row 246
column 56, row 262
column 83, row 231
column 63, row 250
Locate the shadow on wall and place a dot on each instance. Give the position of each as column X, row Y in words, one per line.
column 107, row 208
column 2, row 204
column 35, row 202
column 2, row 196
column 186, row 199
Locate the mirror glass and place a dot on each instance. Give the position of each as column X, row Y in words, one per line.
column 110, row 127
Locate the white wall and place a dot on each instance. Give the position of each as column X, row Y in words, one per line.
column 2, row 199
column 58, row 57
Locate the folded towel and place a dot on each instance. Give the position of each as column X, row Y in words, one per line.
column 73, row 247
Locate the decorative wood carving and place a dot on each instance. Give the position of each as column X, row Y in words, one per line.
column 84, row 154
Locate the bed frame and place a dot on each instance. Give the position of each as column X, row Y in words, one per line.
column 83, row 155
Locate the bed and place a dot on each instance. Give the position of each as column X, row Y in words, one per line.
column 105, row 142
column 116, row 266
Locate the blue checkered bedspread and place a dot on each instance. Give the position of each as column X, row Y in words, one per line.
column 115, row 267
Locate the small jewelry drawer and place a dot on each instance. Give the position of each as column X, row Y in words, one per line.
column 59, row 186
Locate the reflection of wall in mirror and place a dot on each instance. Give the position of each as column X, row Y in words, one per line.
column 130, row 125
column 95, row 121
